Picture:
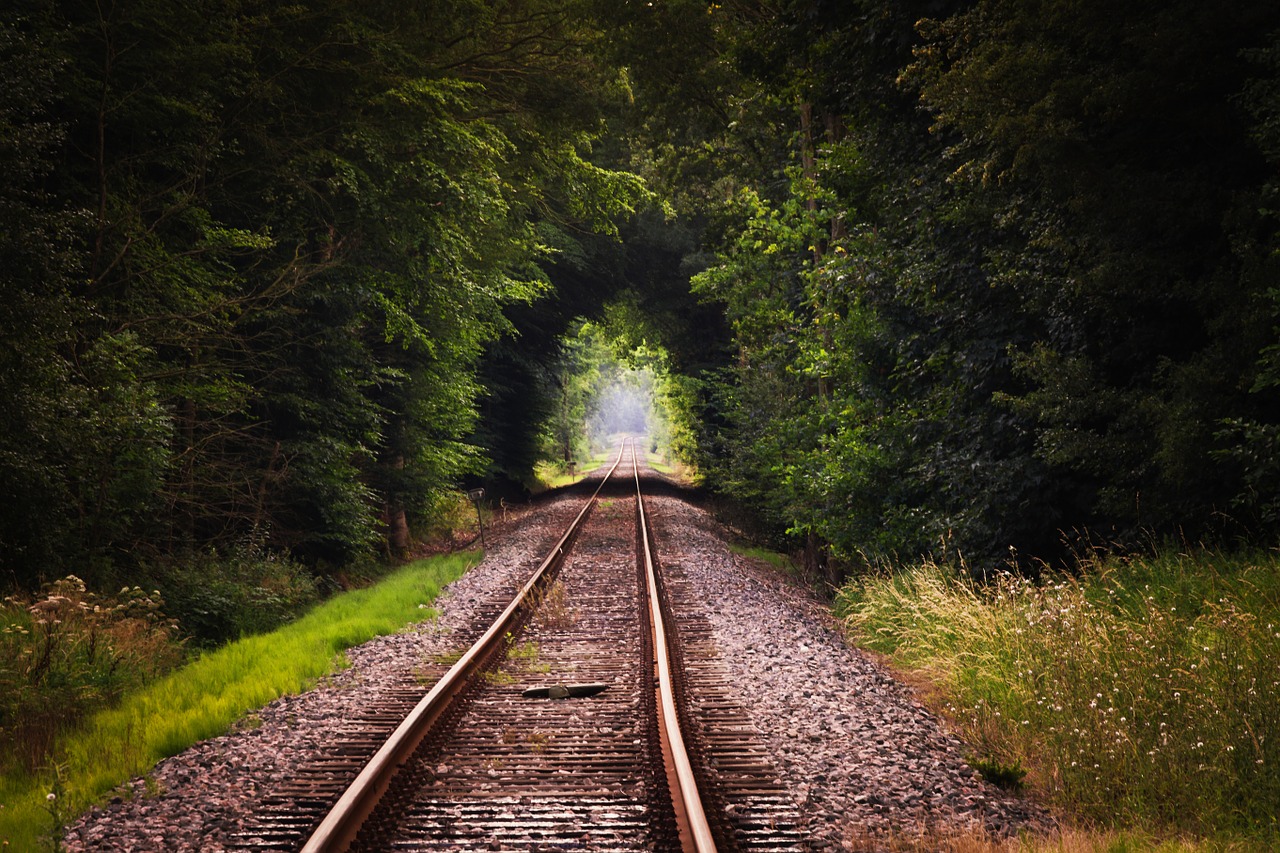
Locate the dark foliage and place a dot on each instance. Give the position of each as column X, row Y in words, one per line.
column 253, row 254
column 1010, row 276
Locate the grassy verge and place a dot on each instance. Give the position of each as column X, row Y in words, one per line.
column 786, row 565
column 657, row 463
column 552, row 475
column 1139, row 696
column 206, row 697
column 976, row 840
column 675, row 469
column 548, row 476
column 781, row 562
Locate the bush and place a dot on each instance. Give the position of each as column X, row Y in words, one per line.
column 217, row 598
column 1140, row 694
column 67, row 651
column 447, row 517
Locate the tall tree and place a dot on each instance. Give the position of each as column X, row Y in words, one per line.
column 1024, row 309
column 301, row 226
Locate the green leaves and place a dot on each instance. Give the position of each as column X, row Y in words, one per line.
column 299, row 227
column 1029, row 311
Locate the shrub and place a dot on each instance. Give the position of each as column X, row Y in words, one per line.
column 220, row 597
column 447, row 517
column 68, row 650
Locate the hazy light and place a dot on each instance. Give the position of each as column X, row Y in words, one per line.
column 623, row 407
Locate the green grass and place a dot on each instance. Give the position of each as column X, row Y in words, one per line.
column 656, row 462
column 206, row 697
column 550, row 475
column 675, row 469
column 779, row 561
column 547, row 476
column 1139, row 695
column 785, row 565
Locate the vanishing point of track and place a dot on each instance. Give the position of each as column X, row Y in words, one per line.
column 589, row 715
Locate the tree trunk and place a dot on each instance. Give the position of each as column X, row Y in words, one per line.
column 809, row 163
column 397, row 522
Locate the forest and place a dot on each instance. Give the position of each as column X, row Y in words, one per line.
column 988, row 278
column 985, row 284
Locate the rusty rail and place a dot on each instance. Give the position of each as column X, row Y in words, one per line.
column 339, row 827
column 695, row 831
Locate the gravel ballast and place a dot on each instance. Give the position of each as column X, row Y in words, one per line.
column 863, row 759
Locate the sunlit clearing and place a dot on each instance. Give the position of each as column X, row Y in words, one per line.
column 604, row 384
column 623, row 406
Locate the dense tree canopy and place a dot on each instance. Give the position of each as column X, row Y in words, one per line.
column 965, row 275
column 995, row 271
column 256, row 252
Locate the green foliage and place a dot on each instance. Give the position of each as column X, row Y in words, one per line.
column 69, row 651
column 253, row 257
column 610, row 379
column 209, row 694
column 38, row 311
column 993, row 271
column 1148, row 321
column 216, row 598
column 1137, row 693
column 674, row 416
column 575, row 380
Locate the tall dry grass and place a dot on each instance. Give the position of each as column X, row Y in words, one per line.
column 1137, row 694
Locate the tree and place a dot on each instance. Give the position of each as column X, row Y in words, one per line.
column 1112, row 146
column 301, row 227
column 1022, row 310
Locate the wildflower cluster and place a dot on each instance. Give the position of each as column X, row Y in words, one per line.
column 69, row 648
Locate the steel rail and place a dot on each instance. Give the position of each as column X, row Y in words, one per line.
column 688, row 800
column 338, row 829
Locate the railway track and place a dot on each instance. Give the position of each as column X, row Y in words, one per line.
column 590, row 714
